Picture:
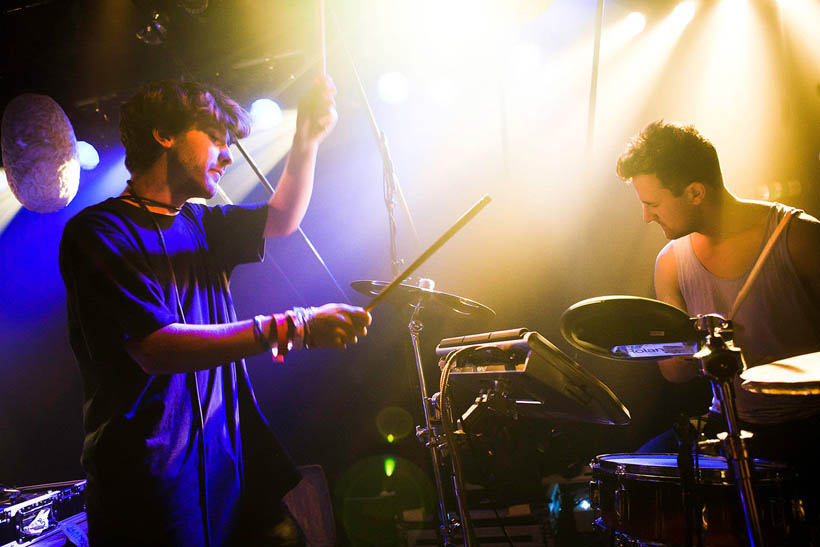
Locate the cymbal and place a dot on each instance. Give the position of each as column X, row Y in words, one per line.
column 798, row 375
column 629, row 328
column 410, row 294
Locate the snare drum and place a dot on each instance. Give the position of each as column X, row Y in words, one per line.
column 638, row 500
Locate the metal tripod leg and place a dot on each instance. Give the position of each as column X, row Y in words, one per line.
column 720, row 362
column 429, row 436
column 740, row 462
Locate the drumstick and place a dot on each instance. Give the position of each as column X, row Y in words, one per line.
column 459, row 224
column 321, row 38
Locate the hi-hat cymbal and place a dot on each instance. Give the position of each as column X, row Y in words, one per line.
column 410, row 295
column 798, row 375
column 629, row 328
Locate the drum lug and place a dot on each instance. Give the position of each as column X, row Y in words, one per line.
column 798, row 510
column 621, row 503
column 595, row 495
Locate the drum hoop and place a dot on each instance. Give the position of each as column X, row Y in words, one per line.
column 766, row 472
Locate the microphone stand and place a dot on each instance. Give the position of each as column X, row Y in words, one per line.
column 428, row 434
column 392, row 188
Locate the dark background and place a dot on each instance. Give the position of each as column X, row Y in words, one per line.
column 561, row 227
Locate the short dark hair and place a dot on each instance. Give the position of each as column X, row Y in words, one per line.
column 171, row 107
column 677, row 154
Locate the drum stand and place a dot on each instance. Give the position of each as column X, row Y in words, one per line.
column 430, row 437
column 720, row 362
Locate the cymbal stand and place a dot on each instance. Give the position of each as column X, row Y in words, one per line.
column 429, row 435
column 720, row 361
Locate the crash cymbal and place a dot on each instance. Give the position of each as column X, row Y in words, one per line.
column 798, row 375
column 410, row 294
column 629, row 328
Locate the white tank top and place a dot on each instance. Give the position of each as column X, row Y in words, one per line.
column 777, row 319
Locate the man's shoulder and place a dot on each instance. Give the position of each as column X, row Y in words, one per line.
column 107, row 216
column 804, row 234
column 665, row 261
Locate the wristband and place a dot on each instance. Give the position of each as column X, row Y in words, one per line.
column 282, row 341
column 258, row 335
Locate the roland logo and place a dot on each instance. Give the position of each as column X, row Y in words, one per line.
column 647, row 350
column 657, row 333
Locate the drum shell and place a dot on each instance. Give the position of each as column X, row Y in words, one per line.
column 638, row 497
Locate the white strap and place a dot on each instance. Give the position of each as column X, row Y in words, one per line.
column 744, row 291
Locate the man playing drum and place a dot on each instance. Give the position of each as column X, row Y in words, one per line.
column 716, row 238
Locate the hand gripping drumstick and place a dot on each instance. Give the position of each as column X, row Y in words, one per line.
column 459, row 224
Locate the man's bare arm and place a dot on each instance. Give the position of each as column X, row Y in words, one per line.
column 180, row 347
column 667, row 289
column 315, row 120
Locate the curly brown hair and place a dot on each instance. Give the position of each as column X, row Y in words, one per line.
column 677, row 154
column 171, row 107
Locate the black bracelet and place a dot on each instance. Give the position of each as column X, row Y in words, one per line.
column 258, row 335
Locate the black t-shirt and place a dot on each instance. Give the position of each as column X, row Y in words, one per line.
column 143, row 445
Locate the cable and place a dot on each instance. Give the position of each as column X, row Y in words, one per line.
column 203, row 477
column 261, row 176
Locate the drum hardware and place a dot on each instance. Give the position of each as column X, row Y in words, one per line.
column 516, row 372
column 633, row 328
column 695, row 523
column 533, row 375
column 422, row 297
column 418, row 296
column 720, row 361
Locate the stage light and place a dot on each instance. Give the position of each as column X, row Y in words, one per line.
column 9, row 206
column 616, row 36
column 584, row 505
column 393, row 87
column 389, row 466
column 684, row 12
column 643, row 65
column 636, row 22
column 266, row 114
column 267, row 147
column 88, row 155
column 391, row 437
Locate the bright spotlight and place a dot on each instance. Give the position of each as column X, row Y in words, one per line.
column 266, row 114
column 4, row 182
column 584, row 505
column 89, row 158
column 635, row 23
column 684, row 12
column 394, row 87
